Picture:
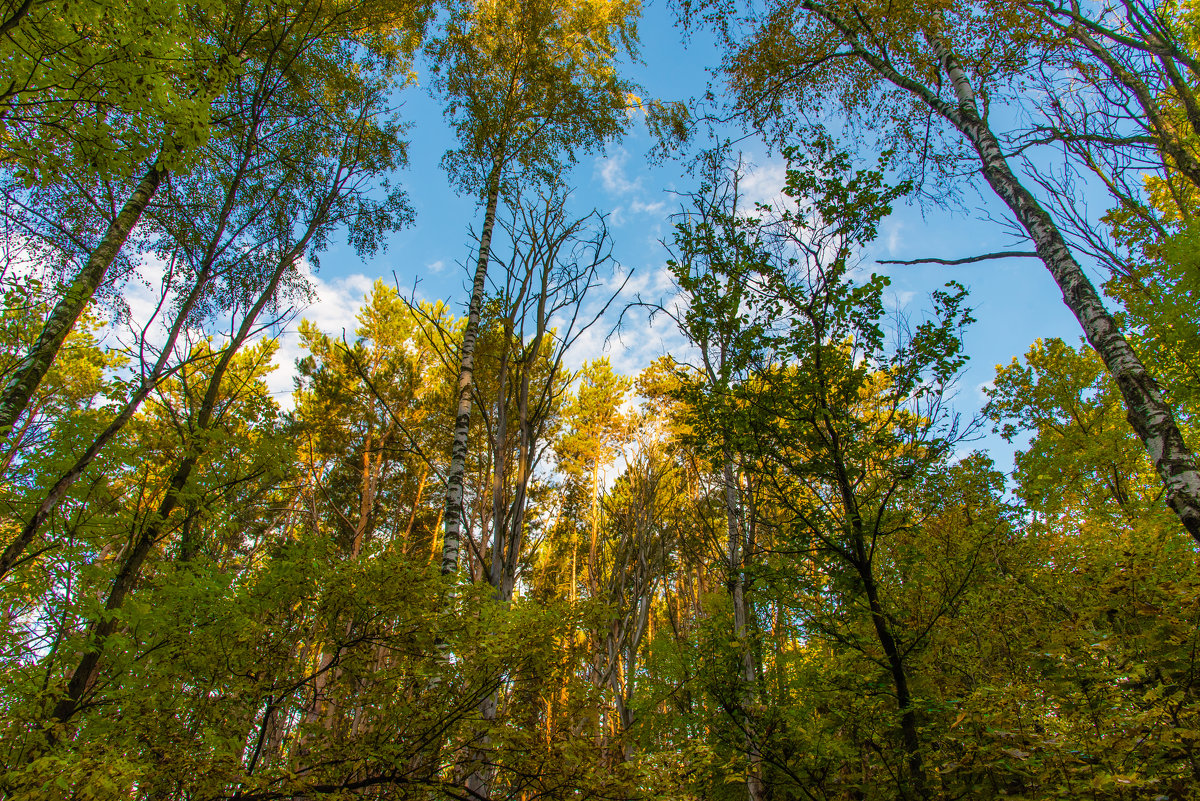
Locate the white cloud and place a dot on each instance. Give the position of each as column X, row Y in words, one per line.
column 143, row 297
column 892, row 229
column 611, row 171
column 651, row 214
column 764, row 184
column 333, row 311
column 901, row 298
column 642, row 336
column 436, row 267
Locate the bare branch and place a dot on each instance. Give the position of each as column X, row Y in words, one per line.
column 1005, row 254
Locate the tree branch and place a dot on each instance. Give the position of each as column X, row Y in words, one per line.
column 1005, row 254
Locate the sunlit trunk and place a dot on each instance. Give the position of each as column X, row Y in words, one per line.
column 453, row 519
column 24, row 381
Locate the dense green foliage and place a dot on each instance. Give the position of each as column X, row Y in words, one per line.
column 768, row 566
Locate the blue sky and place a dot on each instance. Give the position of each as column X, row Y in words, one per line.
column 1015, row 301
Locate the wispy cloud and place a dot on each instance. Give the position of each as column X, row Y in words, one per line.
column 336, row 304
column 654, row 209
column 611, row 172
column 644, row 332
column 764, row 184
column 892, row 230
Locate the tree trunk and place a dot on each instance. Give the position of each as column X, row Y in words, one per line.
column 88, row 667
column 37, row 361
column 14, row 20
column 748, row 675
column 909, row 735
column 453, row 518
column 1146, row 409
column 12, row 553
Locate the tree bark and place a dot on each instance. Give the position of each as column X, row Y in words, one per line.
column 1147, row 411
column 14, row 20
column 37, row 360
column 453, row 517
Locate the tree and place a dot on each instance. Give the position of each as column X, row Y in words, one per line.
column 372, row 428
column 838, row 423
column 543, row 308
column 595, row 431
column 717, row 261
column 1106, row 580
column 876, row 64
column 528, row 85
column 275, row 54
column 293, row 168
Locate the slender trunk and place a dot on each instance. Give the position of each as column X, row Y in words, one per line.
column 151, row 533
column 412, row 518
column 904, row 702
column 453, row 518
column 15, row 440
column 594, row 523
column 500, row 467
column 12, row 553
column 1146, row 409
column 41, row 355
column 478, row 783
column 366, row 501
column 748, row 676
column 506, row 548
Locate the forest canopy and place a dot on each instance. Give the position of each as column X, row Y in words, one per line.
column 473, row 554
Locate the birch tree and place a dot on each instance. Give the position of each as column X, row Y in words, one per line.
column 896, row 71
column 528, row 86
column 274, row 39
column 216, row 223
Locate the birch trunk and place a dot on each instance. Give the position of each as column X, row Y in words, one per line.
column 37, row 360
column 1146, row 409
column 453, row 517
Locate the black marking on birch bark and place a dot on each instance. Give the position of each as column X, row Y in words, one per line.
column 452, row 536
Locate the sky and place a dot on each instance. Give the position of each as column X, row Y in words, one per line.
column 1015, row 301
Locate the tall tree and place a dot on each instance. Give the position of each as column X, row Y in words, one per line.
column 717, row 261
column 850, row 421
column 226, row 224
column 528, row 86
column 596, row 429
column 876, row 63
column 556, row 264
column 274, row 39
